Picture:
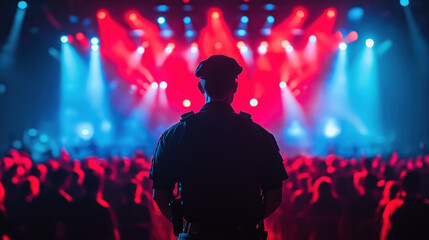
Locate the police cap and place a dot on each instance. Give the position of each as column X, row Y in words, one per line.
column 218, row 67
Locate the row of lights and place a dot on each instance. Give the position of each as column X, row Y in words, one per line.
column 369, row 43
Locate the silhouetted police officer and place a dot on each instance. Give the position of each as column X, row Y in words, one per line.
column 229, row 168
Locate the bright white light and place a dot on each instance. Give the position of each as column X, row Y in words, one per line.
column 253, row 102
column 163, row 85
column 154, row 85
column 194, row 49
column 186, row 103
column 85, row 130
column 312, row 38
column 94, row 41
column 262, row 49
column 168, row 50
column 244, row 49
column 289, row 49
column 282, row 85
column 332, row 129
column 140, row 50
column 369, row 43
column 94, row 47
column 342, row 46
column 161, row 20
column 64, row 39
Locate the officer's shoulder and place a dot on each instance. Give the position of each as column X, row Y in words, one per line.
column 187, row 116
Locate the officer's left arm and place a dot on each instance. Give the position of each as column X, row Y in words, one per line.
column 273, row 173
column 272, row 200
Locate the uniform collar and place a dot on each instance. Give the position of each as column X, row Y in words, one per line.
column 217, row 106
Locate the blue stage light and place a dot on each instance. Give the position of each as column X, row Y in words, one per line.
column 244, row 19
column 95, row 47
column 94, row 41
column 64, row 39
column 355, row 14
column 190, row 33
column 270, row 19
column 162, row 8
column 244, row 7
column 269, row 7
column 73, row 19
column 342, row 46
column 265, row 31
column 22, row 4
column 404, row 3
column 369, row 43
column 32, row 132
column 166, row 33
column 241, row 32
column 187, row 20
column 161, row 20
column 187, row 8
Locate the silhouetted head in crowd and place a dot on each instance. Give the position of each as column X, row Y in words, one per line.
column 304, row 181
column 130, row 190
column 92, row 185
column 367, row 164
column 370, row 183
column 411, row 183
column 323, row 189
column 218, row 75
column 59, row 178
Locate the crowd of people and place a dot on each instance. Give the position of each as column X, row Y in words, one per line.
column 324, row 198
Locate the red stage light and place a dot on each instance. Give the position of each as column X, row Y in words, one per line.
column 331, row 13
column 215, row 15
column 218, row 45
column 80, row 36
column 145, row 44
column 132, row 16
column 285, row 43
column 70, row 38
column 300, row 13
column 102, row 14
column 171, row 45
column 353, row 35
column 240, row 44
column 186, row 1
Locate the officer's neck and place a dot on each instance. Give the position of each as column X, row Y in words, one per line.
column 227, row 99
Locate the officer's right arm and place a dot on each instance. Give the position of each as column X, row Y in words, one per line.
column 162, row 199
column 163, row 171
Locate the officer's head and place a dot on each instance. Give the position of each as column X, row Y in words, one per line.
column 218, row 77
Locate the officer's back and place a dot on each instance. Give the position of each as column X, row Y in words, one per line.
column 223, row 165
column 223, row 161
